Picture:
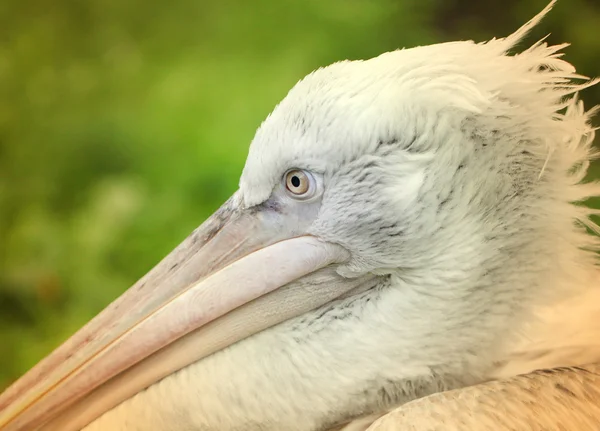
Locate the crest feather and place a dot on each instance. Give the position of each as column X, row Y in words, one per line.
column 518, row 35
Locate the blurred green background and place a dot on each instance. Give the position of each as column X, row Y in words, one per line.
column 124, row 123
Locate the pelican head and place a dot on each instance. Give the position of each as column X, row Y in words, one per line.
column 397, row 221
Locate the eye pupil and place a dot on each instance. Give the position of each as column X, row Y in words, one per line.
column 299, row 183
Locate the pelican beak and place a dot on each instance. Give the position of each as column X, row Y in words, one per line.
column 232, row 277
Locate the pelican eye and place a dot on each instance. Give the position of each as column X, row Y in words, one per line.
column 299, row 183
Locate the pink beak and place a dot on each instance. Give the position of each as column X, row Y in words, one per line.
column 229, row 279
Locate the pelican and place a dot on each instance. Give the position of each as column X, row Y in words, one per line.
column 405, row 247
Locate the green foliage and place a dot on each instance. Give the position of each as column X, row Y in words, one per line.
column 123, row 124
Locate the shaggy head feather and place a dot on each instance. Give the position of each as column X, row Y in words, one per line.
column 455, row 148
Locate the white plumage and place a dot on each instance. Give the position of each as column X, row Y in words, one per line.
column 450, row 169
column 449, row 172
